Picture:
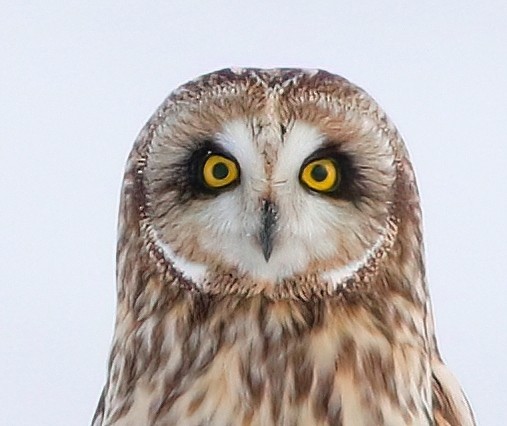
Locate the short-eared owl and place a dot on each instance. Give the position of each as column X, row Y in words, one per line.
column 270, row 264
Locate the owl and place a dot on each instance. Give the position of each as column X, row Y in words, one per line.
column 270, row 264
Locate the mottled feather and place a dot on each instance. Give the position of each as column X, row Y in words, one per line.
column 334, row 327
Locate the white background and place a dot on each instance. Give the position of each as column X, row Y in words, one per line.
column 79, row 79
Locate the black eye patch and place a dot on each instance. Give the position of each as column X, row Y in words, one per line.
column 351, row 181
column 197, row 165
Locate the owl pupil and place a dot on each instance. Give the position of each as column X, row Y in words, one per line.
column 319, row 173
column 220, row 171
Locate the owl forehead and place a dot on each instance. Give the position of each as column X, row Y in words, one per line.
column 262, row 115
column 269, row 152
column 261, row 85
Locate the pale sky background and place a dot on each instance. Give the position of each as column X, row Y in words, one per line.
column 79, row 79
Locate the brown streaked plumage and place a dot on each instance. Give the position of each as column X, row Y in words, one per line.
column 269, row 302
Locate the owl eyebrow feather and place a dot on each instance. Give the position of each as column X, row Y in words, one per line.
column 208, row 145
column 328, row 149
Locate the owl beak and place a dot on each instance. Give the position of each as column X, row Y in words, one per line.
column 269, row 218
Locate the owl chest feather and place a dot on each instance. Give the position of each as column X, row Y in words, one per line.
column 267, row 366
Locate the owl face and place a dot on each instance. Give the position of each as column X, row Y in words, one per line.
column 268, row 181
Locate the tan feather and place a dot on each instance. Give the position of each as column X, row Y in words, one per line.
column 450, row 405
column 335, row 328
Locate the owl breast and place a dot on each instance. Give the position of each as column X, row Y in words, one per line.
column 279, row 363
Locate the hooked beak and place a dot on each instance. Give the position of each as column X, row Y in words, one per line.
column 269, row 217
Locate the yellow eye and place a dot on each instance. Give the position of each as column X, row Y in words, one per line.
column 321, row 175
column 219, row 171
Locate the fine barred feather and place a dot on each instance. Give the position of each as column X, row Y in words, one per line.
column 269, row 302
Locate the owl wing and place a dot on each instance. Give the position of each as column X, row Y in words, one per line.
column 99, row 412
column 450, row 406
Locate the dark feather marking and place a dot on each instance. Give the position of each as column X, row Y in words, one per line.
column 321, row 405
column 303, row 376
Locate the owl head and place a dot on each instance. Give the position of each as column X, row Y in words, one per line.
column 283, row 182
